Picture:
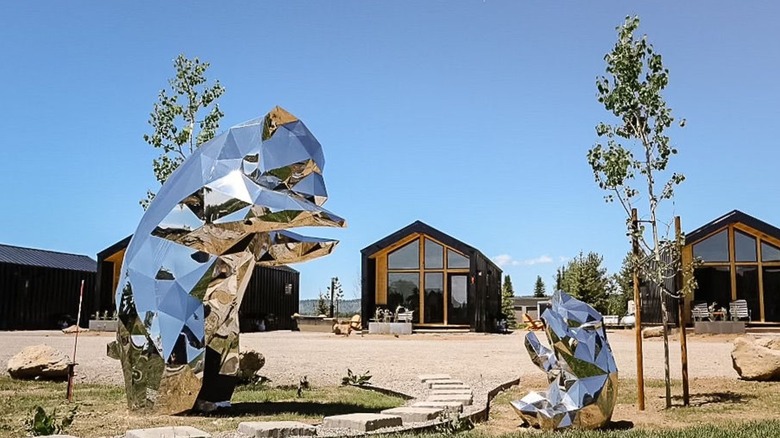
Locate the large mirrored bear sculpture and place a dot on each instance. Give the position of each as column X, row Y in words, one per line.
column 223, row 211
column 580, row 367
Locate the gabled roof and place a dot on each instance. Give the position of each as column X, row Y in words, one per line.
column 730, row 218
column 422, row 228
column 47, row 259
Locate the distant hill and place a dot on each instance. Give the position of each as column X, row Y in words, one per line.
column 346, row 307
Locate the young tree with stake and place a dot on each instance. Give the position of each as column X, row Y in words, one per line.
column 631, row 158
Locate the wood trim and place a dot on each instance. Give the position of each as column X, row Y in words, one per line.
column 381, row 280
column 707, row 236
column 396, row 245
column 421, row 280
column 760, row 280
column 755, row 233
column 732, row 264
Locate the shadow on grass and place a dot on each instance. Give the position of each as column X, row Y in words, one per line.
column 711, row 398
column 304, row 408
column 619, row 425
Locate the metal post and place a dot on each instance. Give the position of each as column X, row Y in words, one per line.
column 332, row 291
column 72, row 364
column 640, row 374
column 681, row 316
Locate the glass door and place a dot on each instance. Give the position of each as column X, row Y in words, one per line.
column 457, row 304
column 434, row 298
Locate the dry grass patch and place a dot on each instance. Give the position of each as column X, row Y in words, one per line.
column 102, row 409
column 713, row 401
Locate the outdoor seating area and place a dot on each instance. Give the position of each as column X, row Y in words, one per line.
column 738, row 311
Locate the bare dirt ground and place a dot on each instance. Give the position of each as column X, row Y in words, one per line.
column 482, row 360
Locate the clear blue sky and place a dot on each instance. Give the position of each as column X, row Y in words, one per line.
column 472, row 116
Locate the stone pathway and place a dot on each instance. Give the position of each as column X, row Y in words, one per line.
column 443, row 397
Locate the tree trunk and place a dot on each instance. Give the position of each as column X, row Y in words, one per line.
column 665, row 320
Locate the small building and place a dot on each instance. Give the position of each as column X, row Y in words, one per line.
column 533, row 306
column 740, row 259
column 39, row 289
column 461, row 287
column 270, row 300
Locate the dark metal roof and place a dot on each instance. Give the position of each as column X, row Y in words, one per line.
column 423, row 228
column 47, row 259
column 730, row 218
column 115, row 248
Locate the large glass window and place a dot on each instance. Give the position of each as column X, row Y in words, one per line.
column 771, row 294
column 412, row 270
column 714, row 248
column 403, row 289
column 406, row 257
column 434, row 255
column 714, row 285
column 456, row 261
column 747, row 289
column 744, row 247
column 769, row 253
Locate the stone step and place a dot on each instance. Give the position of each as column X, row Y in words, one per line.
column 451, row 391
column 447, row 406
column 443, row 382
column 361, row 422
column 449, row 386
column 168, row 432
column 426, row 377
column 465, row 399
column 276, row 429
column 410, row 414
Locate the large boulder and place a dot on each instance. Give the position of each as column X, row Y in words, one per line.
column 39, row 362
column 757, row 358
column 653, row 332
column 249, row 363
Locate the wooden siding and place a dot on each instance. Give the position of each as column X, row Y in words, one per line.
column 34, row 298
column 265, row 298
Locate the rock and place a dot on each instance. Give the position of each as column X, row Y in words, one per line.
column 756, row 358
column 341, row 328
column 653, row 332
column 39, row 362
column 276, row 429
column 411, row 414
column 73, row 329
column 250, row 362
column 168, row 432
column 361, row 422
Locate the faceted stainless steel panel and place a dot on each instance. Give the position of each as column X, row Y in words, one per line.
column 226, row 209
column 580, row 368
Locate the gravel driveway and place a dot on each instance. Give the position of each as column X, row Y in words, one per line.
column 481, row 360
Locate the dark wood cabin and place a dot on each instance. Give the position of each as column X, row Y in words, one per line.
column 740, row 259
column 461, row 286
column 269, row 302
column 39, row 289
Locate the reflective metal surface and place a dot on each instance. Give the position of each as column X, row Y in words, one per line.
column 226, row 209
column 580, row 367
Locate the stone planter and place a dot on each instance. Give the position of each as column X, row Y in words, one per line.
column 103, row 325
column 390, row 328
column 737, row 327
column 307, row 323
